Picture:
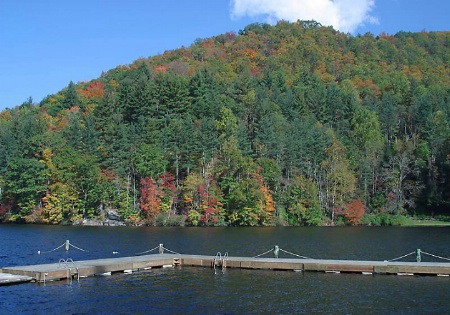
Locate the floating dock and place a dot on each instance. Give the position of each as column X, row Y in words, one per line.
column 68, row 269
column 7, row 278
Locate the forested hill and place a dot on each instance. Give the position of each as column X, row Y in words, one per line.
column 289, row 124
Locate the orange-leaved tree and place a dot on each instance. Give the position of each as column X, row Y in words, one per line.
column 150, row 198
column 354, row 212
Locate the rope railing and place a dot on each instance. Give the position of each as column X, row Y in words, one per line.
column 83, row 250
column 398, row 258
column 274, row 250
column 170, row 251
column 303, row 257
column 435, row 256
column 161, row 250
column 67, row 244
column 270, row 250
column 277, row 249
column 418, row 252
column 49, row 251
column 148, row 251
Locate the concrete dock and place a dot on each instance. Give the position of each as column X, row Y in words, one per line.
column 78, row 269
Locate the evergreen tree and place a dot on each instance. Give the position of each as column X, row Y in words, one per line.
column 70, row 97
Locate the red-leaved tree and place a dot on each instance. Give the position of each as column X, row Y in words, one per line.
column 209, row 204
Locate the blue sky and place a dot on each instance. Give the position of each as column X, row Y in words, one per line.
column 48, row 43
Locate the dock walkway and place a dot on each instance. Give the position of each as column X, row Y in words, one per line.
column 7, row 278
column 77, row 269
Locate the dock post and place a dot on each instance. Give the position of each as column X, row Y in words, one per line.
column 69, row 275
column 67, row 245
column 418, row 255
column 276, row 250
column 161, row 248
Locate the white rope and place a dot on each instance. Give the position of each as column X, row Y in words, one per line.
column 294, row 254
column 434, row 255
column 171, row 251
column 63, row 244
column 39, row 252
column 148, row 251
column 270, row 250
column 400, row 257
column 77, row 247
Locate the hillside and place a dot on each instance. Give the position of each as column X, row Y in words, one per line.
column 293, row 124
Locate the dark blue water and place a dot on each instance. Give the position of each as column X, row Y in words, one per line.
column 190, row 290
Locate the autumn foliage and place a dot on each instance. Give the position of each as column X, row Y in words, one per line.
column 354, row 212
column 157, row 196
column 209, row 205
column 150, row 198
column 95, row 89
column 336, row 122
column 267, row 204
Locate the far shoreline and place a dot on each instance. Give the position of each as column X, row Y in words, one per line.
column 408, row 222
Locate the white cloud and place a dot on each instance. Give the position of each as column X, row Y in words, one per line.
column 344, row 15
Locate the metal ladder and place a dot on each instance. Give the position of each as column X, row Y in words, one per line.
column 220, row 261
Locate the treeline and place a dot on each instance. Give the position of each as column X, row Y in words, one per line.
column 289, row 124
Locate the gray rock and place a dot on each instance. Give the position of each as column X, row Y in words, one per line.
column 112, row 215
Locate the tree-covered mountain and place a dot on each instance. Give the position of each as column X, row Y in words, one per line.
column 294, row 123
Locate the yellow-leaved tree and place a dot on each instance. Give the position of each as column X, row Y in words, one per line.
column 340, row 180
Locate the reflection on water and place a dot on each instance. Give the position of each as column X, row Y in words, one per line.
column 190, row 290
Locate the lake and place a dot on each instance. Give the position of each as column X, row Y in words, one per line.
column 191, row 290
